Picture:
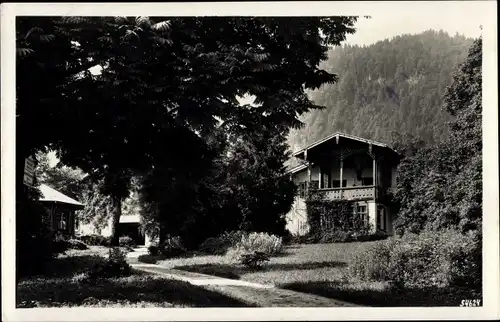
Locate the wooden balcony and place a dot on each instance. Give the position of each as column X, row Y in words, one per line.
column 349, row 193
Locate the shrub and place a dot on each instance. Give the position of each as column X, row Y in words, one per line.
column 254, row 260
column 256, row 243
column 148, row 259
column 115, row 266
column 60, row 244
column 372, row 263
column 213, row 246
column 335, row 236
column 153, row 250
column 95, row 240
column 261, row 242
column 444, row 258
column 219, row 245
column 171, row 247
column 76, row 244
column 127, row 241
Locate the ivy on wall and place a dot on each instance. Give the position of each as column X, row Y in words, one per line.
column 334, row 220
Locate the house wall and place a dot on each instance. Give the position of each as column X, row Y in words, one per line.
column 372, row 215
column 297, row 223
column 301, row 176
column 297, row 218
column 91, row 229
column 349, row 175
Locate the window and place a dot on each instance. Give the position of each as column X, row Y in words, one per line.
column 326, row 222
column 302, row 226
column 367, row 181
column 336, row 183
column 62, row 221
column 302, row 190
column 361, row 210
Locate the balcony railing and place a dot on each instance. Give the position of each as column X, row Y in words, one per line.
column 349, row 193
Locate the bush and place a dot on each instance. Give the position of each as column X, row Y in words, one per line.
column 261, row 242
column 440, row 259
column 214, row 246
column 76, row 244
column 115, row 266
column 153, row 250
column 148, row 259
column 60, row 244
column 95, row 240
column 219, row 245
column 256, row 243
column 254, row 260
column 171, row 247
column 336, row 236
column 127, row 241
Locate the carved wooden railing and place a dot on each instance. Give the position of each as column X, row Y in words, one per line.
column 350, row 193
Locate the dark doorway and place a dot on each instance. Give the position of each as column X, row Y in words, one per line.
column 133, row 231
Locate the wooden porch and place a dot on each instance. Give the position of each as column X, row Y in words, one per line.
column 350, row 193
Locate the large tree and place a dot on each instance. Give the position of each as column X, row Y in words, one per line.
column 161, row 74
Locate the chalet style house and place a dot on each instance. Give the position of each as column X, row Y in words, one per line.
column 343, row 166
column 61, row 211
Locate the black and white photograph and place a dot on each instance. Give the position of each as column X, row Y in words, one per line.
column 248, row 156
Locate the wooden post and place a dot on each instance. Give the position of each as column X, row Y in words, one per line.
column 320, row 183
column 341, row 175
column 308, row 171
column 375, row 181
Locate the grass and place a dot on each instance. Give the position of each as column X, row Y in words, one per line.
column 64, row 284
column 298, row 263
column 321, row 269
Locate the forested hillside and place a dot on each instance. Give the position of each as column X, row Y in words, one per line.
column 393, row 85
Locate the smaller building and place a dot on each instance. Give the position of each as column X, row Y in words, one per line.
column 130, row 225
column 61, row 211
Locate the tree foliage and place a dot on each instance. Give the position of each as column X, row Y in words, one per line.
column 62, row 178
column 163, row 80
column 440, row 186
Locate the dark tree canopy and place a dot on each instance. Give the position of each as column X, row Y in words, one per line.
column 164, row 80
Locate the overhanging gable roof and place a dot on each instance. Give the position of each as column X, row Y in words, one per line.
column 341, row 135
column 52, row 195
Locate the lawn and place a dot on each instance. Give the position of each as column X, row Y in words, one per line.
column 64, row 284
column 320, row 269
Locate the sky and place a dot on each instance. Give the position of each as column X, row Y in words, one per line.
column 378, row 28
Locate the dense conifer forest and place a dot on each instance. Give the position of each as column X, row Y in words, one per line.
column 393, row 86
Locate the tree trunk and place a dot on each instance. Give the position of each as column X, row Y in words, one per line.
column 115, row 223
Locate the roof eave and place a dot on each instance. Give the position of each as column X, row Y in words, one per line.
column 338, row 134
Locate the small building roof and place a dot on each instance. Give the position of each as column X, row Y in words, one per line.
column 295, row 169
column 50, row 194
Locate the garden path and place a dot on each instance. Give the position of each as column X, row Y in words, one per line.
column 252, row 293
